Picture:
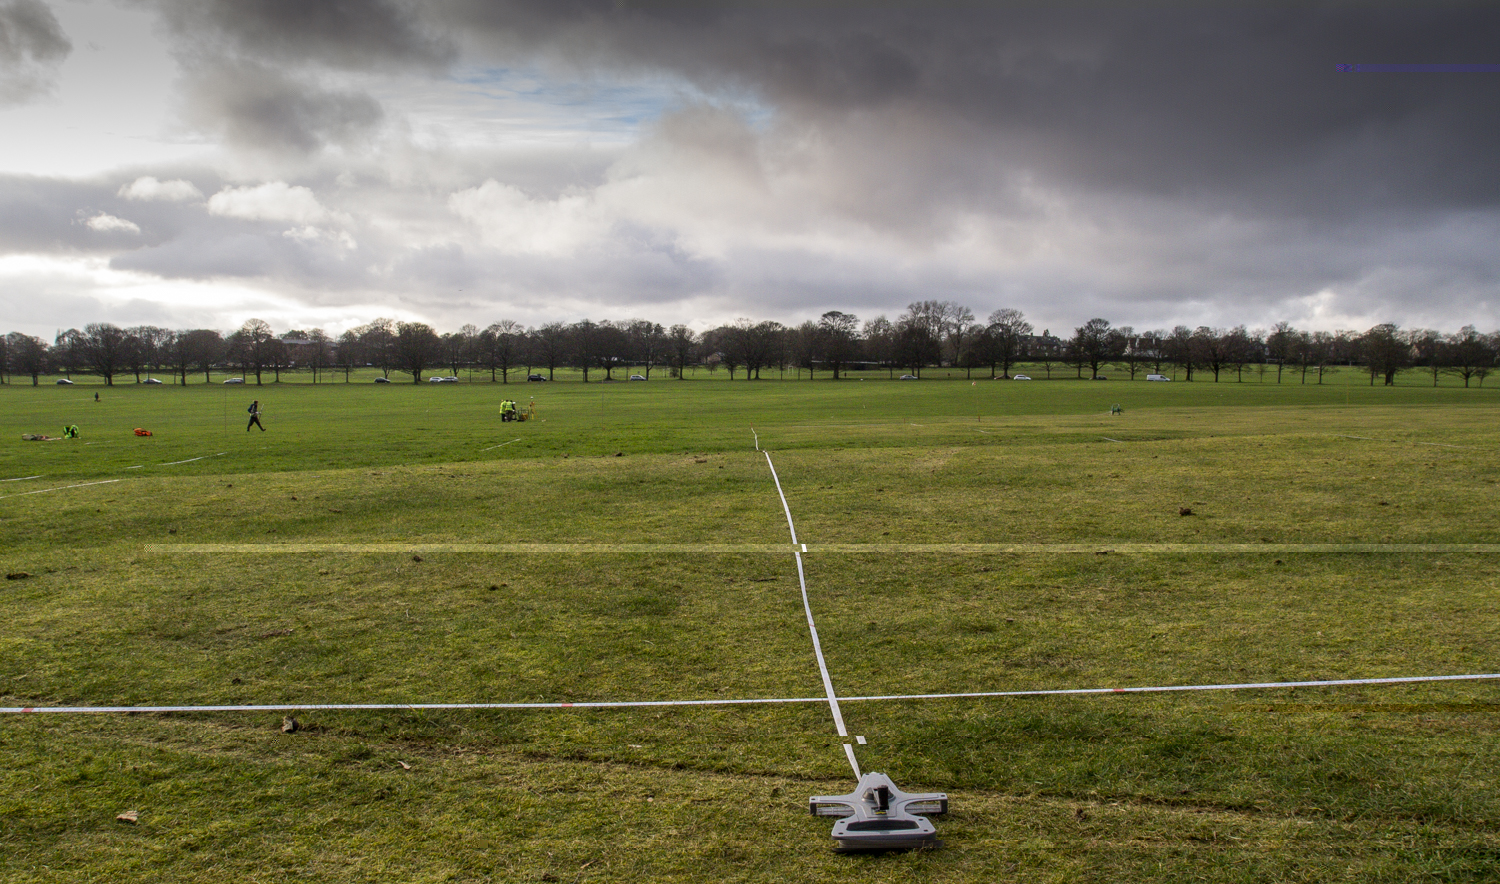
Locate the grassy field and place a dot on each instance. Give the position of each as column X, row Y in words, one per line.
column 399, row 544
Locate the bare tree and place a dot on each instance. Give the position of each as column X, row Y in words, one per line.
column 1281, row 344
column 1385, row 352
column 417, row 346
column 880, row 343
column 152, row 349
column 320, row 352
column 349, row 352
column 27, row 355
column 919, row 336
column 500, row 346
column 1180, row 351
column 198, row 348
column 682, row 342
column 1240, row 349
column 1470, row 354
column 957, row 324
column 647, row 342
column 549, row 347
column 103, row 347
column 1094, row 345
column 1008, row 332
column 254, row 346
column 838, row 339
column 377, row 344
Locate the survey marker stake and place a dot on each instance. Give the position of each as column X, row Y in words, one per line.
column 879, row 816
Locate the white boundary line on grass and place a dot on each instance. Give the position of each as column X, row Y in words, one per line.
column 20, row 479
column 501, row 445
column 191, row 459
column 760, row 701
column 520, row 548
column 1408, row 442
column 63, row 488
column 812, row 628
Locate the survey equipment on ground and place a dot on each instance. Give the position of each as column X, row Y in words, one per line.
column 879, row 816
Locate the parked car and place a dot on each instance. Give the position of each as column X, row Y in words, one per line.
column 435, row 380
column 908, row 377
column 64, row 382
column 637, row 377
column 1020, row 377
column 235, row 381
column 1099, row 378
column 151, row 381
column 382, row 380
column 536, row 377
column 1157, row 377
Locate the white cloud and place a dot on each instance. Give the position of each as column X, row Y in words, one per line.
column 148, row 188
column 110, row 224
column 309, row 235
column 275, row 201
column 512, row 222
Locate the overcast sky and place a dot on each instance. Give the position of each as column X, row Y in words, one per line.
column 195, row 163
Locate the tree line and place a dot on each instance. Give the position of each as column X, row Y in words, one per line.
column 929, row 334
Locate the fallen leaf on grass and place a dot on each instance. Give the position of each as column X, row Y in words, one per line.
column 129, row 816
column 404, row 765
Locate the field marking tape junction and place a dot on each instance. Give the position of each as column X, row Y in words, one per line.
column 831, row 698
column 760, row 701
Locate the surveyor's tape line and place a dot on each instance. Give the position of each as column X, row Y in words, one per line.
column 784, row 508
column 886, row 549
column 1406, row 442
column 63, row 488
column 757, row 701
column 849, row 751
column 191, row 459
column 812, row 627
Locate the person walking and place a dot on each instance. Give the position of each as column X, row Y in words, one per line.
column 255, row 417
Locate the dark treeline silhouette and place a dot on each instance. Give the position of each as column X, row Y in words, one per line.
column 929, row 334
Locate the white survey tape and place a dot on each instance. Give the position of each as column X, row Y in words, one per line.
column 812, row 627
column 753, row 701
column 191, row 459
column 63, row 488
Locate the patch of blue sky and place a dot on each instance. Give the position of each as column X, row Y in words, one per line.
column 592, row 105
column 527, row 107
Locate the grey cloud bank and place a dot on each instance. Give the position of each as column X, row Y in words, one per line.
column 1155, row 164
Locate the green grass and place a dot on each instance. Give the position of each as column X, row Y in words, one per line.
column 1367, row 783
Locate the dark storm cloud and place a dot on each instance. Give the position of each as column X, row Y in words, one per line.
column 32, row 43
column 1234, row 102
column 355, row 34
column 1227, row 101
column 252, row 66
column 256, row 107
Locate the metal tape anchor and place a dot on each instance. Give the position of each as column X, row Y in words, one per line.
column 879, row 816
